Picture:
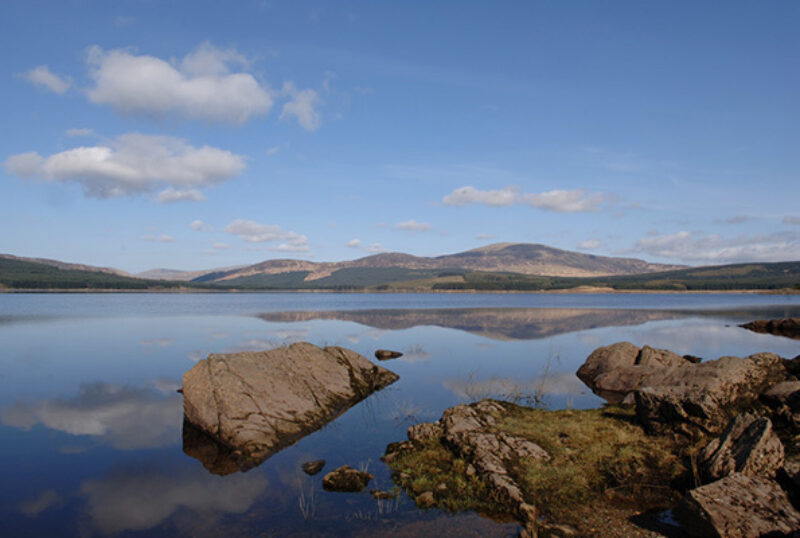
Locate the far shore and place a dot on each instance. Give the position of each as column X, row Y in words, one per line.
column 581, row 290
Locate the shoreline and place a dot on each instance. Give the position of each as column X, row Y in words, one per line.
column 581, row 290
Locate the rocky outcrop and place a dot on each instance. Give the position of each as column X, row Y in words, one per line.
column 789, row 327
column 748, row 446
column 468, row 431
column 738, row 506
column 615, row 371
column 259, row 402
column 705, row 396
column 386, row 354
column 345, row 478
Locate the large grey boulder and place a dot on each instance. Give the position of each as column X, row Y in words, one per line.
column 705, row 396
column 614, row 371
column 748, row 445
column 259, row 402
column 738, row 506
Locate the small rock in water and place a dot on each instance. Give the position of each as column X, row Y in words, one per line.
column 386, row 354
column 313, row 467
column 381, row 494
column 345, row 478
column 426, row 500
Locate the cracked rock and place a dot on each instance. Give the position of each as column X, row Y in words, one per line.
column 259, row 402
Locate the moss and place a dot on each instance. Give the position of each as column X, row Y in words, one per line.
column 428, row 466
column 598, row 452
column 600, row 458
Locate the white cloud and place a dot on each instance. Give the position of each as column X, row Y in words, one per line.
column 470, row 195
column 791, row 220
column 254, row 232
column 560, row 201
column 354, row 243
column 575, row 201
column 413, row 226
column 132, row 164
column 484, row 237
column 738, row 219
column 301, row 106
column 170, row 195
column 42, row 76
column 376, row 248
column 202, row 86
column 163, row 238
column 127, row 418
column 200, row 226
column 273, row 150
column 698, row 247
column 220, row 246
column 80, row 132
column 590, row 244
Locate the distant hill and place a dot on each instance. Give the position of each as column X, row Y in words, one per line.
column 522, row 258
column 20, row 274
column 501, row 267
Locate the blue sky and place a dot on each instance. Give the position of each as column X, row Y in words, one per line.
column 195, row 134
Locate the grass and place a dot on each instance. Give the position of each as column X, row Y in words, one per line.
column 428, row 466
column 596, row 454
column 600, row 459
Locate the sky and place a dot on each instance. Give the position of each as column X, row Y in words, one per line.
column 195, row 135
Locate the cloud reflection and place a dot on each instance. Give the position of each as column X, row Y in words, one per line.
column 127, row 418
column 141, row 499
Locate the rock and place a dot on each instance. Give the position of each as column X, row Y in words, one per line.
column 792, row 471
column 260, row 402
column 738, row 506
column 467, row 431
column 705, row 396
column 441, row 487
column 748, row 445
column 614, row 371
column 789, row 327
column 395, row 449
column 345, row 478
column 426, row 500
column 784, row 394
column 382, row 495
column 424, row 431
column 694, row 359
column 553, row 530
column 386, row 354
column 313, row 467
column 216, row 458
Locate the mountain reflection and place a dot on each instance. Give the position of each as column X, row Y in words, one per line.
column 495, row 323
column 127, row 418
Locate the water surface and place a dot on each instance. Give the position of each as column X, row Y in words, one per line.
column 90, row 423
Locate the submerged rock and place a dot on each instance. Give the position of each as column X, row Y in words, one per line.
column 386, row 354
column 345, row 478
column 748, row 446
column 789, row 327
column 738, row 506
column 259, row 402
column 313, row 467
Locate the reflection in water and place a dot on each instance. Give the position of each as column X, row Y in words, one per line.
column 34, row 507
column 141, row 499
column 127, row 418
column 505, row 388
column 495, row 323
column 215, row 457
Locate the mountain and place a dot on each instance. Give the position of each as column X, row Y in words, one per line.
column 64, row 265
column 178, row 274
column 522, row 258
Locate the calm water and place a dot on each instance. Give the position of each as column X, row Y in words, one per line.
column 90, row 423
